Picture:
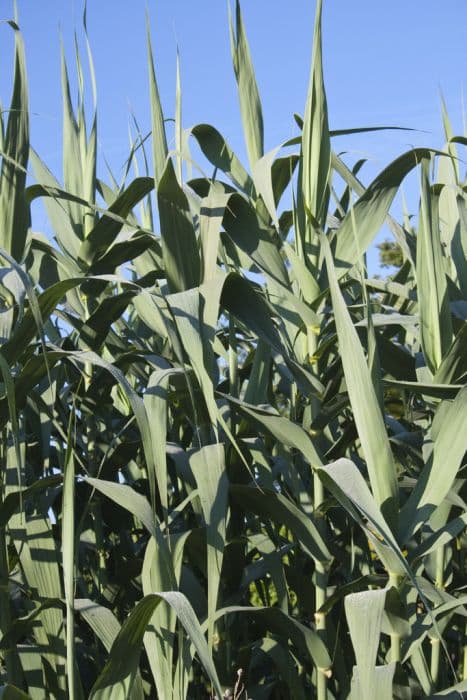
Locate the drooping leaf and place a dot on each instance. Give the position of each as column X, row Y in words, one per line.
column 305, row 638
column 107, row 228
column 219, row 153
column 11, row 692
column 362, row 223
column 283, row 430
column 119, row 672
column 281, row 510
column 346, row 482
column 441, row 469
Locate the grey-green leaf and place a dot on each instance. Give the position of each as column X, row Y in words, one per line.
column 119, row 672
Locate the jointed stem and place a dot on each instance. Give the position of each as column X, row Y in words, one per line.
column 435, row 642
column 394, row 581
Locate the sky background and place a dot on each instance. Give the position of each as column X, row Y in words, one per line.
column 384, row 63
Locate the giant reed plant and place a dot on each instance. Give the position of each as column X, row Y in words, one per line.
column 205, row 469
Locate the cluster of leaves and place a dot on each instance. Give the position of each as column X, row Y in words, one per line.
column 224, row 445
column 390, row 254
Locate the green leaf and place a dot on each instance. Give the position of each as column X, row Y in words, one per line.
column 282, row 170
column 277, row 653
column 134, row 400
column 442, row 466
column 127, row 246
column 257, row 240
column 282, row 429
column 432, row 290
column 179, row 245
column 97, row 327
column 219, row 153
column 364, row 613
column 258, row 383
column 212, row 210
column 11, row 692
column 13, row 501
column 79, row 152
column 346, row 482
column 315, row 163
column 15, row 432
column 360, row 584
column 307, row 283
column 360, row 225
column 127, row 498
column 138, row 506
column 455, row 692
column 382, row 684
column 33, row 303
column 305, row 639
column 106, row 627
column 107, row 228
column 209, row 469
column 14, row 212
column 240, row 298
column 34, row 541
column 155, row 401
column 178, row 121
column 367, row 412
column 119, row 672
column 453, row 367
column 195, row 326
column 439, row 391
column 426, row 623
column 161, row 636
column 281, row 510
column 440, row 538
column 101, row 620
column 250, row 103
column 262, row 177
column 23, row 626
column 159, row 139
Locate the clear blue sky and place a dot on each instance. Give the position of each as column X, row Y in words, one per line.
column 385, row 63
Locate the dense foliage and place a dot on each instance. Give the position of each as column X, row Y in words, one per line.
column 230, row 458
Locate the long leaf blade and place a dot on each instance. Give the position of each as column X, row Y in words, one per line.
column 365, row 405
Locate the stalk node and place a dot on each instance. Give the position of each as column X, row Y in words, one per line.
column 326, row 672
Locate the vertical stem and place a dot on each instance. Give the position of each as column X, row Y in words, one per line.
column 463, row 560
column 435, row 641
column 394, row 581
column 320, row 581
column 233, row 360
column 5, row 617
column 91, row 465
column 233, row 371
column 89, row 419
column 68, row 562
column 312, row 345
column 293, row 401
column 320, row 576
column 464, row 670
column 10, row 657
column 434, row 664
